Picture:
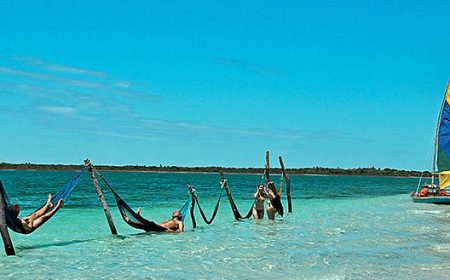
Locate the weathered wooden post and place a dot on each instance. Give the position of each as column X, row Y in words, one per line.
column 288, row 185
column 9, row 248
column 224, row 184
column 266, row 171
column 101, row 197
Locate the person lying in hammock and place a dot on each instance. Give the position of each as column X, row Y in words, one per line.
column 38, row 218
column 171, row 225
column 174, row 224
column 274, row 204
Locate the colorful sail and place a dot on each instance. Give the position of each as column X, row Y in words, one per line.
column 443, row 149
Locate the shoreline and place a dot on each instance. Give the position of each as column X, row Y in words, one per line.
column 321, row 171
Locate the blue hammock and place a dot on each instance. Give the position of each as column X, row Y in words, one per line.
column 15, row 224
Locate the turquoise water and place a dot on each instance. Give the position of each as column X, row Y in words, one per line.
column 340, row 228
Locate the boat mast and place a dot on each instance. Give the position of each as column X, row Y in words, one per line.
column 437, row 134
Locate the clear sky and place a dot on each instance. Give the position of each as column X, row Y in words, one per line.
column 201, row 83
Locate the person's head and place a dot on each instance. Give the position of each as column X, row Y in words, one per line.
column 270, row 184
column 15, row 208
column 177, row 215
column 260, row 188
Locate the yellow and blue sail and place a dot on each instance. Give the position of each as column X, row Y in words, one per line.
column 443, row 149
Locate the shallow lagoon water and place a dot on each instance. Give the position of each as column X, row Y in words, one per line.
column 340, row 228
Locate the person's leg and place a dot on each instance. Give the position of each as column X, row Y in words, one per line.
column 255, row 213
column 43, row 218
column 270, row 211
column 41, row 211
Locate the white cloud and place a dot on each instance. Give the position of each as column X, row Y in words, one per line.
column 74, row 70
column 60, row 68
column 122, row 84
column 67, row 78
column 60, row 110
column 96, row 100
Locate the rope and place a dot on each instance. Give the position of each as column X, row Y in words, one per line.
column 281, row 185
column 418, row 186
column 263, row 179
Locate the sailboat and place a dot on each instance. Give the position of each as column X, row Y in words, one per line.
column 435, row 193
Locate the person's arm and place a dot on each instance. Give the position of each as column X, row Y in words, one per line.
column 181, row 226
column 267, row 194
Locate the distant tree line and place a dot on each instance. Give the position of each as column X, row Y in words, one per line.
column 370, row 171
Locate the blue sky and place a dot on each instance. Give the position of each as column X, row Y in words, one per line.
column 323, row 83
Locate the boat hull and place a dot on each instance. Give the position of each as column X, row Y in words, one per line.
column 432, row 199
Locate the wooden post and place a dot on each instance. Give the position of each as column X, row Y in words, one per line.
column 9, row 248
column 101, row 197
column 266, row 171
column 193, row 200
column 288, row 185
column 224, row 184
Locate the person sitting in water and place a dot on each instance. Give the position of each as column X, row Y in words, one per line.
column 35, row 220
column 260, row 197
column 171, row 225
column 274, row 204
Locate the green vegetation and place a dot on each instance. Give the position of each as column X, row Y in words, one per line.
column 371, row 171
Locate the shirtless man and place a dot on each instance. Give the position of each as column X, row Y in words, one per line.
column 174, row 224
column 36, row 219
column 171, row 225
column 258, row 207
column 274, row 204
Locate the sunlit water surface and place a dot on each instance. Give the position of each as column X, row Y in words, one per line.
column 340, row 228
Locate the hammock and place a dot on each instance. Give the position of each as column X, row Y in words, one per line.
column 131, row 218
column 15, row 224
column 216, row 208
column 194, row 200
column 236, row 213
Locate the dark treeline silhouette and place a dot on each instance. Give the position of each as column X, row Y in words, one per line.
column 366, row 171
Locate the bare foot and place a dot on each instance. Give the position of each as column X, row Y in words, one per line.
column 138, row 211
column 60, row 203
column 49, row 201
